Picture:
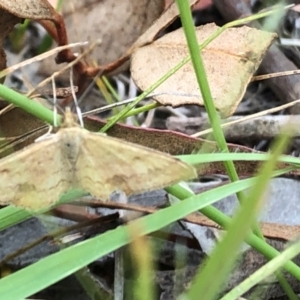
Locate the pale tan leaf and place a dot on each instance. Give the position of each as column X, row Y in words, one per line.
column 230, row 61
column 138, row 24
column 117, row 24
column 161, row 23
column 166, row 18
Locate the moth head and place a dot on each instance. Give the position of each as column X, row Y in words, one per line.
column 69, row 119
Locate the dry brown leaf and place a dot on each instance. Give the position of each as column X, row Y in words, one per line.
column 230, row 61
column 38, row 175
column 30, row 128
column 166, row 18
column 44, row 13
column 13, row 144
column 118, row 25
column 7, row 23
column 29, row 9
column 15, row 11
column 123, row 33
column 18, row 130
column 160, row 24
column 179, row 144
column 26, row 128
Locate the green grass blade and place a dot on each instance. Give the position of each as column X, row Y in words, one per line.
column 194, row 159
column 59, row 265
column 27, row 104
column 209, row 281
column 12, row 215
column 265, row 271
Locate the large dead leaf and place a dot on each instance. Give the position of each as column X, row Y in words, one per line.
column 178, row 144
column 29, row 128
column 166, row 18
column 230, row 61
column 117, row 25
column 140, row 25
column 160, row 24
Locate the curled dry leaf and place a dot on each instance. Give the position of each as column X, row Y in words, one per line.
column 7, row 22
column 15, row 11
column 230, row 61
column 29, row 9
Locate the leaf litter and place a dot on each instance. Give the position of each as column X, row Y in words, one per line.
column 242, row 57
column 229, row 66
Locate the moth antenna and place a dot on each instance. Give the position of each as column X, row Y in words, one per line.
column 45, row 135
column 78, row 110
column 54, row 102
